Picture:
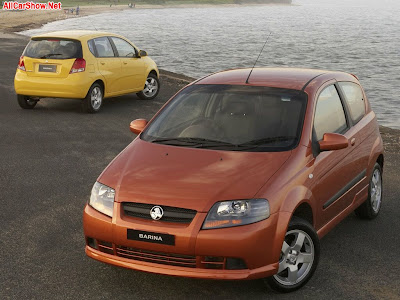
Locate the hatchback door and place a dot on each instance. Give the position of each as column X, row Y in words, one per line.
column 51, row 57
column 133, row 67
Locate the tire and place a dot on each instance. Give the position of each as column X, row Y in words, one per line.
column 299, row 257
column 371, row 207
column 151, row 88
column 94, row 99
column 26, row 102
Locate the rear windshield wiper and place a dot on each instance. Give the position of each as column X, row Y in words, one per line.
column 50, row 55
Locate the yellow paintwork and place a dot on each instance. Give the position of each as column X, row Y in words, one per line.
column 119, row 75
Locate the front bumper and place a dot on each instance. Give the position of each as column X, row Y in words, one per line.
column 196, row 253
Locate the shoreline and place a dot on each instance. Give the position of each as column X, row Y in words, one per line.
column 12, row 33
column 17, row 21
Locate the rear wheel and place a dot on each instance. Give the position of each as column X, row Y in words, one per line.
column 151, row 88
column 94, row 99
column 371, row 207
column 299, row 257
column 26, row 102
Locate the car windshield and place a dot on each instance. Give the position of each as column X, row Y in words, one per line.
column 53, row 48
column 231, row 117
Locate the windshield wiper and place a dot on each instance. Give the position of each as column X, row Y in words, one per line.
column 192, row 141
column 268, row 140
column 50, row 55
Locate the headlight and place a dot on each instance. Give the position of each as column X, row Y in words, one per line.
column 102, row 199
column 236, row 213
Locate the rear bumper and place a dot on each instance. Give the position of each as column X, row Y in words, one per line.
column 255, row 244
column 73, row 86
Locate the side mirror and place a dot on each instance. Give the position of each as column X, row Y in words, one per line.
column 142, row 53
column 333, row 141
column 138, row 125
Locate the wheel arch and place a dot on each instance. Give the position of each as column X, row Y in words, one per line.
column 153, row 71
column 380, row 160
column 299, row 202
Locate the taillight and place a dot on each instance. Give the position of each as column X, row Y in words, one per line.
column 21, row 64
column 78, row 66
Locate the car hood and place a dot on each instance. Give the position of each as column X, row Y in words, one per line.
column 185, row 177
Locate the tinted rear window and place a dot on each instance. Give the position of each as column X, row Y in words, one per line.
column 53, row 48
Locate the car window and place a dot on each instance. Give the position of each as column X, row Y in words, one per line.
column 355, row 100
column 91, row 47
column 329, row 114
column 103, row 47
column 124, row 49
column 54, row 48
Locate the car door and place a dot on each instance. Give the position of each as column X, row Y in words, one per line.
column 109, row 64
column 355, row 101
column 336, row 175
column 133, row 68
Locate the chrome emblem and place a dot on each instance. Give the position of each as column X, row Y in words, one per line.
column 156, row 212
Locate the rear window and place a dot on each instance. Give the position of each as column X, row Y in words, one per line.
column 53, row 48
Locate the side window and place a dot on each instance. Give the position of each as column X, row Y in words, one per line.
column 91, row 47
column 355, row 99
column 329, row 114
column 103, row 47
column 124, row 48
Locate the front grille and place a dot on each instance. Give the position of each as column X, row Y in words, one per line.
column 171, row 214
column 157, row 257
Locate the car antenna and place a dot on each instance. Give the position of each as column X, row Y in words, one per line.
column 251, row 71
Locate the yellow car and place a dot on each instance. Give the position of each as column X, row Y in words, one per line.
column 88, row 65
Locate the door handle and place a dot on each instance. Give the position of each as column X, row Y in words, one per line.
column 103, row 63
column 353, row 141
column 125, row 63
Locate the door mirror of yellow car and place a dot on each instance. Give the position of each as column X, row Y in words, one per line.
column 142, row 53
column 138, row 125
column 333, row 141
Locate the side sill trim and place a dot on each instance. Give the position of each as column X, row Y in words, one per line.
column 346, row 188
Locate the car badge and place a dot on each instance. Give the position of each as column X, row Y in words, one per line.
column 47, row 61
column 156, row 212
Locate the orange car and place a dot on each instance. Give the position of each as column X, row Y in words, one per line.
column 239, row 180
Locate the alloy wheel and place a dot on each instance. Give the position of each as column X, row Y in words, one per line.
column 376, row 190
column 151, row 87
column 296, row 259
column 96, row 98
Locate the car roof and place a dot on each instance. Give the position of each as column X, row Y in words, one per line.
column 75, row 34
column 287, row 78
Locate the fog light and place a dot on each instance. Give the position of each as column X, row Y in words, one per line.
column 235, row 264
column 91, row 242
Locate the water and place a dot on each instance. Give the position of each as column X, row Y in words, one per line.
column 359, row 36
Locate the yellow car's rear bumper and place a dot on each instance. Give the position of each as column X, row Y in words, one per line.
column 73, row 86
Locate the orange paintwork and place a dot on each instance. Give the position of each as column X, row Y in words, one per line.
column 137, row 126
column 195, row 179
column 333, row 141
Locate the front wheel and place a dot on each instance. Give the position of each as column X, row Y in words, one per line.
column 371, row 207
column 151, row 88
column 26, row 102
column 299, row 257
column 94, row 99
